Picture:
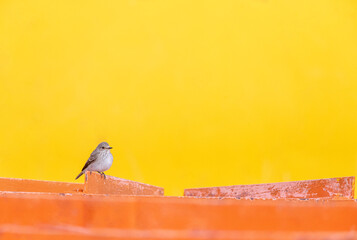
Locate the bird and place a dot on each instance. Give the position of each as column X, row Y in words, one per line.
column 100, row 160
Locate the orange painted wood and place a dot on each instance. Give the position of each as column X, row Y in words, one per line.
column 177, row 213
column 96, row 184
column 26, row 185
column 77, row 233
column 331, row 188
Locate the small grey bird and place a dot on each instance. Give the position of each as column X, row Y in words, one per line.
column 100, row 160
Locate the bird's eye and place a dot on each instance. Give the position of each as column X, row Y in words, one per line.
column 102, row 147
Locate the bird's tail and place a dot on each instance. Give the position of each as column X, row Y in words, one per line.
column 79, row 175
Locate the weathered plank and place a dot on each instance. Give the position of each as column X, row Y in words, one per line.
column 331, row 188
column 95, row 183
column 27, row 185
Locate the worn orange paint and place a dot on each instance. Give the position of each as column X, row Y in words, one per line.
column 177, row 213
column 331, row 188
column 95, row 183
column 26, row 185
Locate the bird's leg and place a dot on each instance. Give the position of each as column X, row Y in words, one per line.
column 105, row 176
column 101, row 174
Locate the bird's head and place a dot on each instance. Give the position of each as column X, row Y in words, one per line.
column 104, row 146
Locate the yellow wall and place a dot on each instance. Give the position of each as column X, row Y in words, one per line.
column 189, row 93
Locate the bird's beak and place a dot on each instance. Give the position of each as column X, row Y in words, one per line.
column 109, row 147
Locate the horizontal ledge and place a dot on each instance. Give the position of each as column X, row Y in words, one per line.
column 177, row 213
column 330, row 188
column 94, row 184
column 29, row 185
column 97, row 184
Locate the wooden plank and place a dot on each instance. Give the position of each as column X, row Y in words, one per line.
column 96, row 184
column 26, row 185
column 331, row 188
column 177, row 213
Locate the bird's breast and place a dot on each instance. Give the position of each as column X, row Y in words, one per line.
column 108, row 160
column 104, row 162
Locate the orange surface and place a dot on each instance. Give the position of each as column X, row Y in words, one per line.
column 113, row 209
column 38, row 233
column 178, row 213
column 331, row 188
column 95, row 183
column 26, row 185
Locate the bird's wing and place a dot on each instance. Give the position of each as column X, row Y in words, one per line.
column 91, row 159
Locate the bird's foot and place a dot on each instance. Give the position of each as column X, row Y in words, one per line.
column 102, row 174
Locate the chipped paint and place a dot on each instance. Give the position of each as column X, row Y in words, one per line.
column 332, row 188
